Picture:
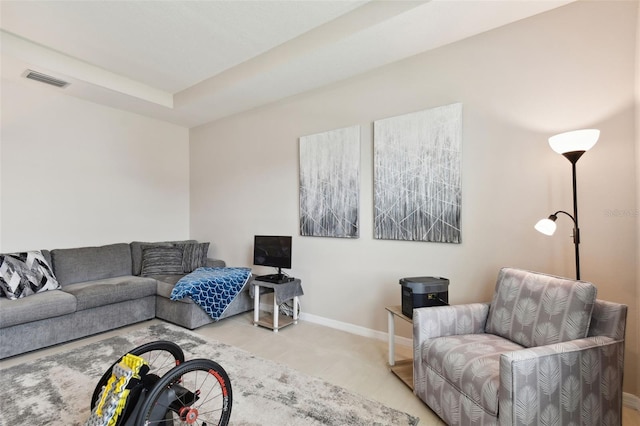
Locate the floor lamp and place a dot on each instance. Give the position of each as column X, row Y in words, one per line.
column 571, row 145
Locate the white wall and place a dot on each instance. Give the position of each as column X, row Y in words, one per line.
column 74, row 173
column 567, row 69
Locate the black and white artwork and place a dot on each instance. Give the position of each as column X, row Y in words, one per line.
column 417, row 183
column 330, row 183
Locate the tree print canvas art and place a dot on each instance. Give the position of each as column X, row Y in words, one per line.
column 417, row 182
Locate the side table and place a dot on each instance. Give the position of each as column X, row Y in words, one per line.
column 281, row 293
column 403, row 368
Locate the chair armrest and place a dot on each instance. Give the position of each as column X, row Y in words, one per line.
column 579, row 382
column 440, row 321
column 215, row 263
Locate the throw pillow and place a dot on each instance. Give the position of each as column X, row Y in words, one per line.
column 161, row 260
column 136, row 251
column 194, row 256
column 25, row 273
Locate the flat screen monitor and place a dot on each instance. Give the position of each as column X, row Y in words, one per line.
column 272, row 250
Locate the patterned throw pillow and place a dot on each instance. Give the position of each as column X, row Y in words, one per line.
column 161, row 260
column 194, row 256
column 26, row 273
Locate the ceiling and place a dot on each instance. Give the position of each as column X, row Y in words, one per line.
column 192, row 62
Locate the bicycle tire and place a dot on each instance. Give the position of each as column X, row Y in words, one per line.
column 192, row 404
column 160, row 346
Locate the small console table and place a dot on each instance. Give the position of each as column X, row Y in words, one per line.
column 281, row 293
column 403, row 368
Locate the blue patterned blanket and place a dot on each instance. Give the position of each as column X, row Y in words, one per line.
column 213, row 289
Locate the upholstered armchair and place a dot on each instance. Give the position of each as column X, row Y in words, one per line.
column 543, row 352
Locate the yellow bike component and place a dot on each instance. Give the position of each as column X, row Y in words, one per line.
column 113, row 397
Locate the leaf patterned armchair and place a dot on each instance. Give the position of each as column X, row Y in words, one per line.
column 545, row 351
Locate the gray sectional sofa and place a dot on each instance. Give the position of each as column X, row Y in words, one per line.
column 101, row 289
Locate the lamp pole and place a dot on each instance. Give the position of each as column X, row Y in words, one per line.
column 573, row 157
column 571, row 145
column 576, row 233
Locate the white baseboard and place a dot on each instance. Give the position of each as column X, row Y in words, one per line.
column 628, row 400
column 355, row 329
column 631, row 401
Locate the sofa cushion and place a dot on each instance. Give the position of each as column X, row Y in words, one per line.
column 161, row 260
column 82, row 264
column 45, row 305
column 165, row 287
column 110, row 290
column 25, row 273
column 136, row 252
column 470, row 363
column 171, row 280
column 535, row 309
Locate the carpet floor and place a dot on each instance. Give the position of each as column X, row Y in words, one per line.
column 56, row 389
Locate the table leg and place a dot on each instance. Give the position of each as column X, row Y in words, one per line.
column 295, row 309
column 276, row 313
column 391, row 328
column 256, row 304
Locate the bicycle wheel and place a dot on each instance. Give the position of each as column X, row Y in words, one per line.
column 161, row 356
column 197, row 392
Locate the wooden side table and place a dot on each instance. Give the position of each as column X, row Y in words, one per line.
column 281, row 293
column 402, row 368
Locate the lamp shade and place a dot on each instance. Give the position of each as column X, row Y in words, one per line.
column 546, row 226
column 577, row 140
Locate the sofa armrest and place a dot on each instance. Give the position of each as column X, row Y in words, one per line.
column 215, row 263
column 578, row 381
column 439, row 321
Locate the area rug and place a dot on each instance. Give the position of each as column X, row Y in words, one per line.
column 56, row 389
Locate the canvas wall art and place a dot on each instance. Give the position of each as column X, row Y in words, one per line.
column 417, row 182
column 330, row 183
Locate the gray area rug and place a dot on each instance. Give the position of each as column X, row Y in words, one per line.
column 56, row 390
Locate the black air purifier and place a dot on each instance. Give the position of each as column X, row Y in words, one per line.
column 418, row 292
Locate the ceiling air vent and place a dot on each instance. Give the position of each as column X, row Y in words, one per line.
column 43, row 78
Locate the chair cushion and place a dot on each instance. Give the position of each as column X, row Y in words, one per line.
column 470, row 363
column 111, row 290
column 535, row 309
